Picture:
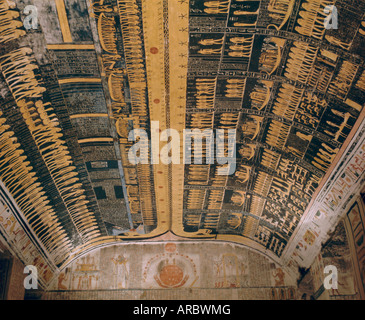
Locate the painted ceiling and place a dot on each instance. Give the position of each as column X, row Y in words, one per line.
column 82, row 74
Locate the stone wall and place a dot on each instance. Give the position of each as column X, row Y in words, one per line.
column 16, row 284
column 346, row 251
column 11, row 276
column 172, row 270
column 175, row 294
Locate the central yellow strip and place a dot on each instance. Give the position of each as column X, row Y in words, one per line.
column 88, row 115
column 153, row 26
column 79, row 80
column 88, row 140
column 62, row 17
column 66, row 46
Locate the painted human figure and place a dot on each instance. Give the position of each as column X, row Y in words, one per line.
column 83, row 283
column 61, row 279
column 279, row 276
column 120, row 271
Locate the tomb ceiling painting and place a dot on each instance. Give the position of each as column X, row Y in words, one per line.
column 75, row 85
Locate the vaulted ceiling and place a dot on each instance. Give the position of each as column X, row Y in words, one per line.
column 75, row 84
